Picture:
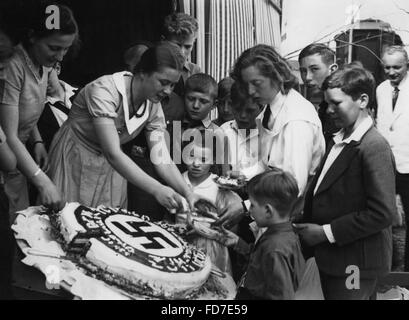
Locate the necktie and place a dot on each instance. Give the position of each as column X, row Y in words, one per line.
column 395, row 95
column 266, row 118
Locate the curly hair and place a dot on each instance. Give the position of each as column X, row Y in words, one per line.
column 269, row 63
column 179, row 24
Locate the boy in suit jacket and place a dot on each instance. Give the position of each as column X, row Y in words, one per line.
column 351, row 201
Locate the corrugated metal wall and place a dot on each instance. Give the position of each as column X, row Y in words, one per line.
column 233, row 26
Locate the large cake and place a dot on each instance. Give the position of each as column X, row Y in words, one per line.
column 127, row 250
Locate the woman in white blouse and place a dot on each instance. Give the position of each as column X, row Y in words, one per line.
column 290, row 135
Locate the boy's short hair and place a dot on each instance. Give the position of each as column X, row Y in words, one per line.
column 239, row 96
column 276, row 187
column 179, row 24
column 352, row 80
column 224, row 88
column 203, row 83
column 328, row 56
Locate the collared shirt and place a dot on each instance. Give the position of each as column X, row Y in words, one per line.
column 207, row 189
column 206, row 123
column 293, row 140
column 336, row 150
column 243, row 149
column 393, row 124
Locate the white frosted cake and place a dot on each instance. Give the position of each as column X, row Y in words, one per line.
column 129, row 251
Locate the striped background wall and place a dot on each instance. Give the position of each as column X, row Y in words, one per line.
column 227, row 28
column 233, row 26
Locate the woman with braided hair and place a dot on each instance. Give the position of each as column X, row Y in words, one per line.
column 290, row 131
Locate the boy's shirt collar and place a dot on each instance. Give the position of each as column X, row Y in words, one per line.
column 204, row 184
column 358, row 133
column 190, row 123
column 275, row 228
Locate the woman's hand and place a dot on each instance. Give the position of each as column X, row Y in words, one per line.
column 41, row 156
column 50, row 197
column 192, row 198
column 169, row 198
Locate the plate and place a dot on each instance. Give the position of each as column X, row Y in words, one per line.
column 230, row 183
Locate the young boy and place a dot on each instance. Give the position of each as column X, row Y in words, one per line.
column 351, row 201
column 317, row 62
column 181, row 29
column 224, row 101
column 276, row 264
column 200, row 97
column 242, row 134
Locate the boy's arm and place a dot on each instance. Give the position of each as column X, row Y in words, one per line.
column 243, row 247
column 277, row 277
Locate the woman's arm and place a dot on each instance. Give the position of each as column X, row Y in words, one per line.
column 110, row 144
column 9, row 118
column 8, row 161
column 166, row 168
column 39, row 151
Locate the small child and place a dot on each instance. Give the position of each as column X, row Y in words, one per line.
column 199, row 162
column 243, row 135
column 224, row 101
column 276, row 264
column 200, row 98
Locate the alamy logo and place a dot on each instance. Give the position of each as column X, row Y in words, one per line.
column 53, row 20
column 353, row 280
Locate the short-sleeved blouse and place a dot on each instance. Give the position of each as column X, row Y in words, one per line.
column 106, row 98
column 22, row 87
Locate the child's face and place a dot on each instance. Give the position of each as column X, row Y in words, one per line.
column 245, row 115
column 314, row 71
column 198, row 104
column 224, row 109
column 185, row 44
column 199, row 162
column 342, row 109
column 258, row 212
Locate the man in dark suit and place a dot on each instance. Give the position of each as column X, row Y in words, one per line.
column 351, row 201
